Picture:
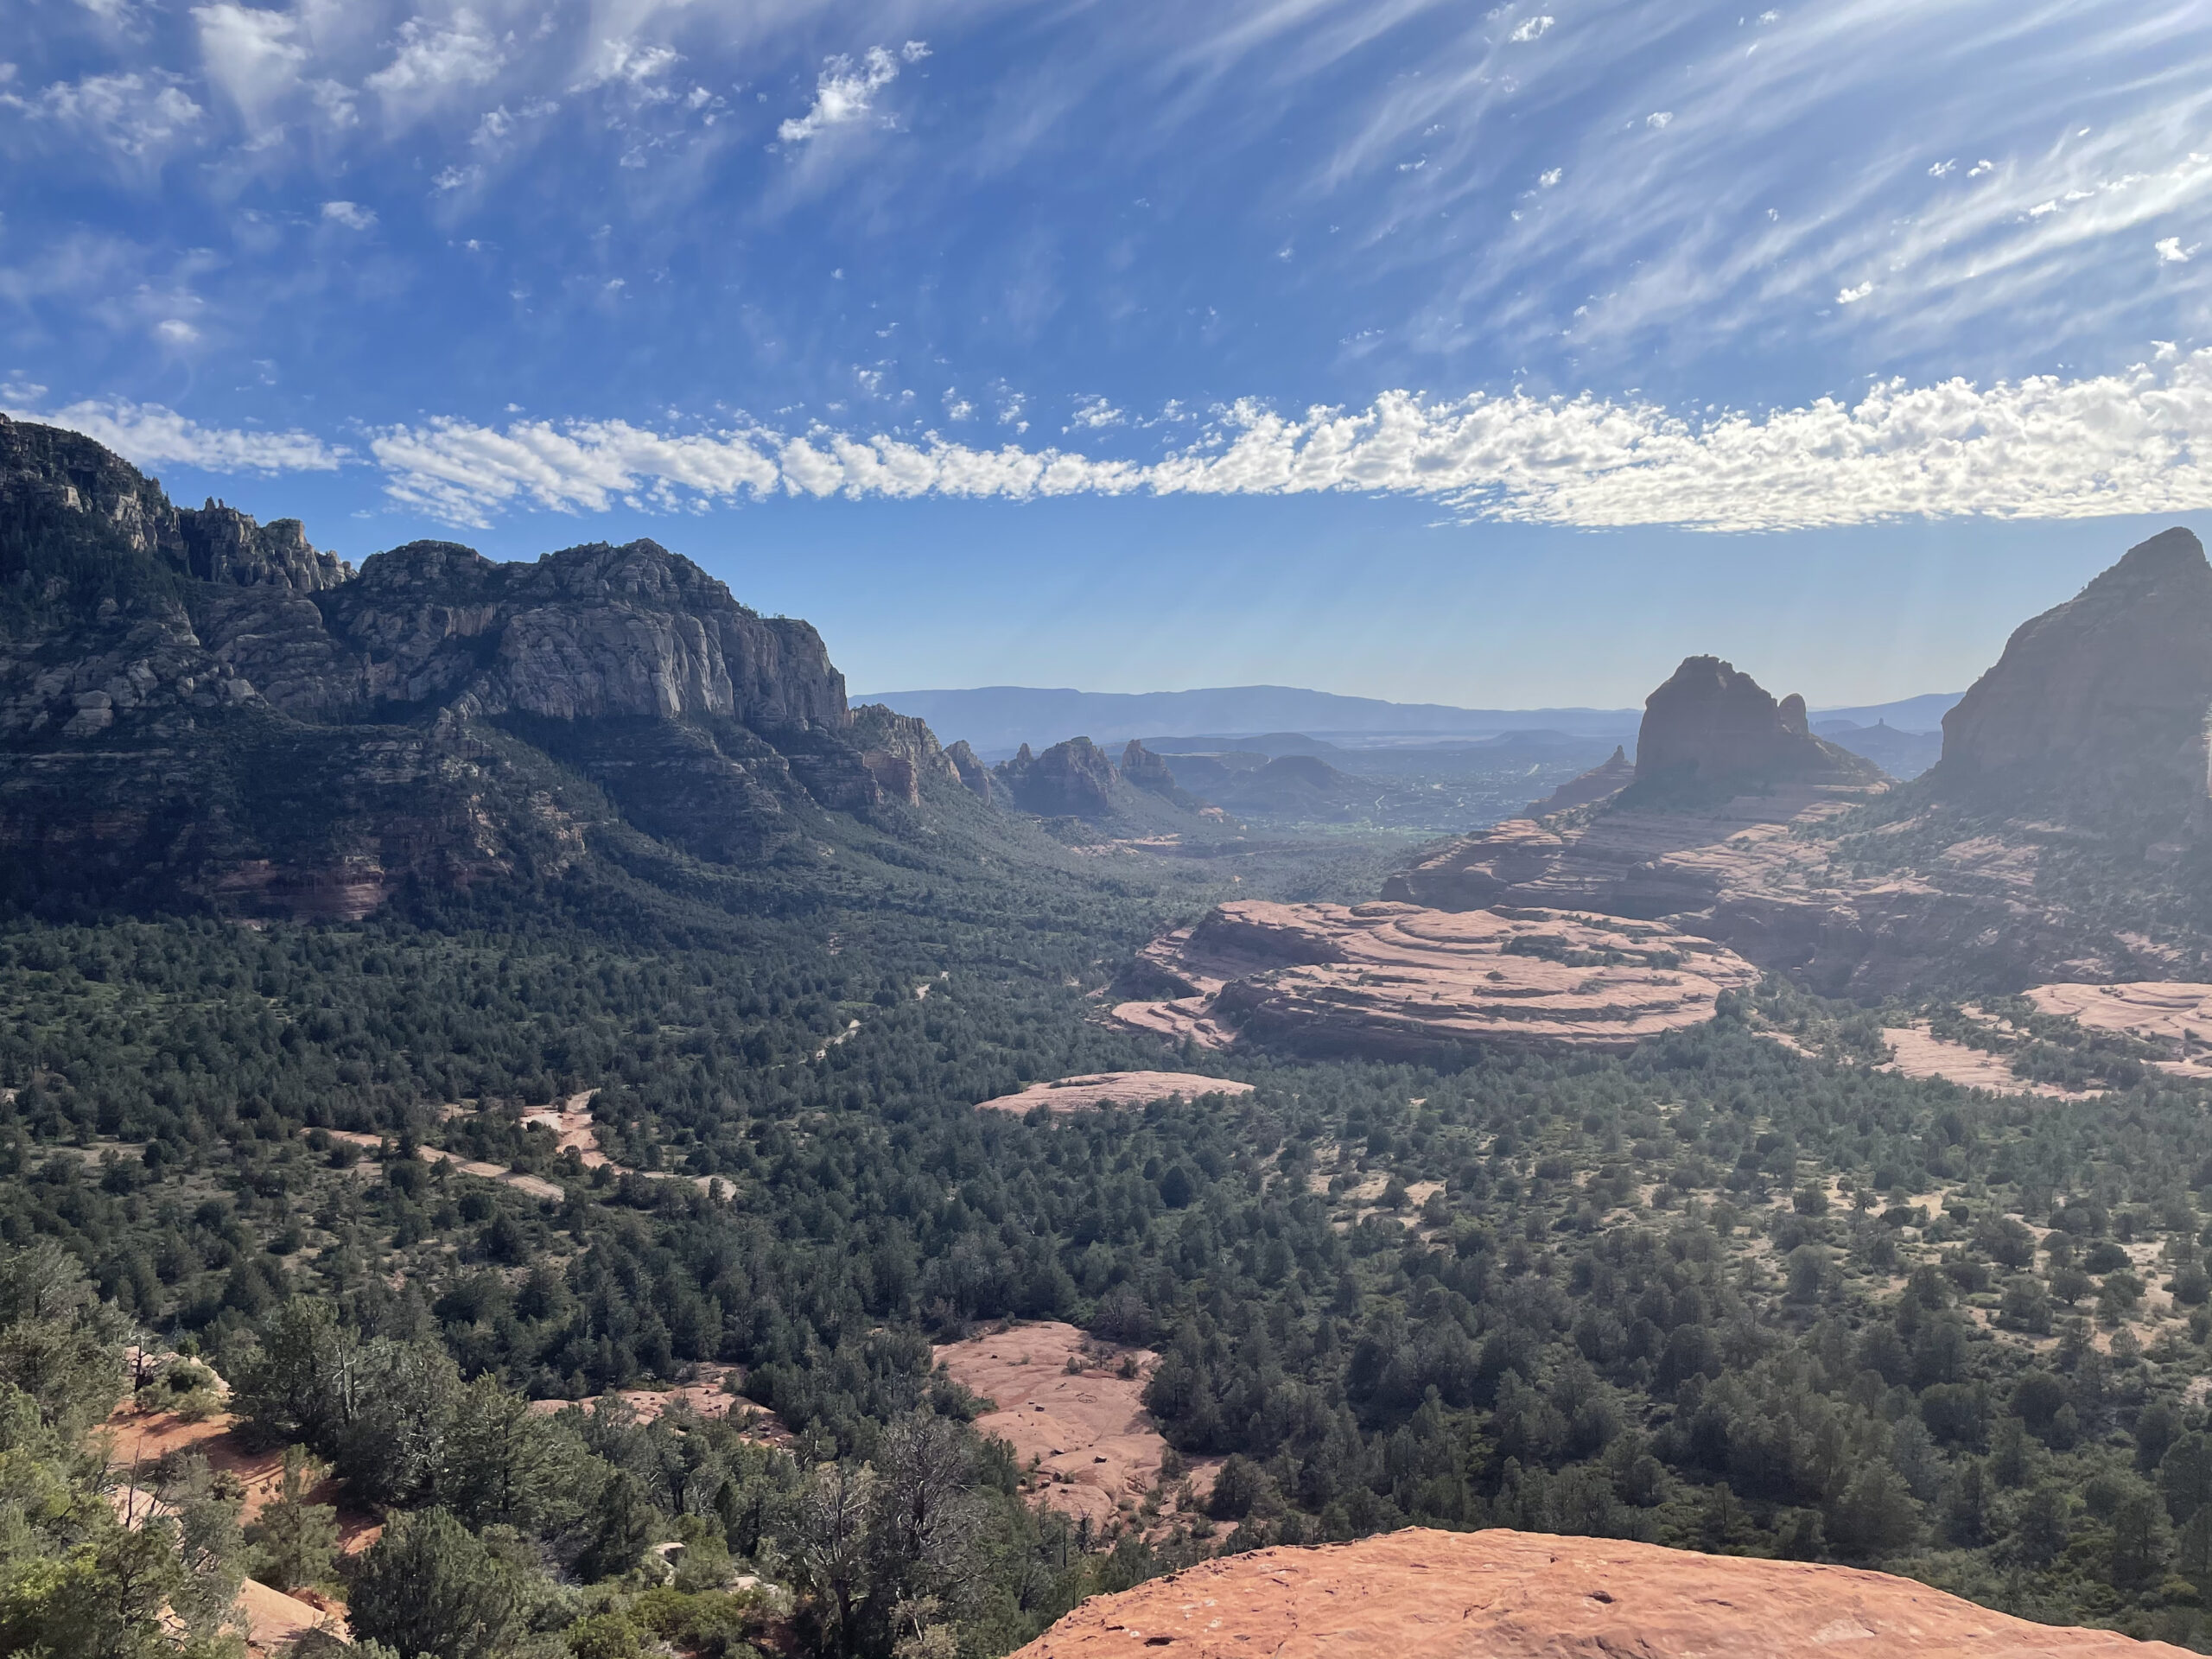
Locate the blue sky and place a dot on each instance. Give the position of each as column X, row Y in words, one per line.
column 1402, row 348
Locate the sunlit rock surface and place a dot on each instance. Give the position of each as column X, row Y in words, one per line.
column 1423, row 1594
column 1396, row 980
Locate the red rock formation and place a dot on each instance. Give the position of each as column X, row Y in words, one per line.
column 1422, row 1594
column 2106, row 694
column 1397, row 981
column 900, row 753
column 974, row 775
column 1144, row 770
column 1072, row 779
column 1711, row 722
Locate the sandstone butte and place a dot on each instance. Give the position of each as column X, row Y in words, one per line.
column 1102, row 1089
column 1396, row 980
column 1420, row 1594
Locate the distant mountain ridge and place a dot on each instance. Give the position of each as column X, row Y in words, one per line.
column 994, row 718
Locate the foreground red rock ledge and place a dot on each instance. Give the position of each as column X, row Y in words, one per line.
column 1419, row 1594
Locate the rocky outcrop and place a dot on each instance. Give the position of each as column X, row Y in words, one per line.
column 1093, row 1090
column 1071, row 1409
column 193, row 706
column 974, row 775
column 1763, row 875
column 2099, row 704
column 2059, row 837
column 225, row 546
column 590, row 633
column 1143, row 769
column 1424, row 1594
column 900, row 753
column 1698, row 833
column 1711, row 724
column 1394, row 981
column 1072, row 779
column 61, row 493
column 1598, row 784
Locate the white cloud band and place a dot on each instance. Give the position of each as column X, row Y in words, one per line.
column 151, row 435
column 2134, row 443
column 2041, row 447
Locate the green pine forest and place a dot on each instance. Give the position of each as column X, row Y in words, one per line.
column 1718, row 1293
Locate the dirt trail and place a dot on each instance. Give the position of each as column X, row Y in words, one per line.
column 535, row 1185
column 571, row 1123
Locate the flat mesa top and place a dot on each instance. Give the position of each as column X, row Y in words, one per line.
column 1102, row 1089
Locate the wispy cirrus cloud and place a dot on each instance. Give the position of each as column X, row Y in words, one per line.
column 2041, row 447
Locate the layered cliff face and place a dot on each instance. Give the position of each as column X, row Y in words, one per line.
column 1711, row 724
column 195, row 705
column 900, row 753
column 2101, row 702
column 225, row 546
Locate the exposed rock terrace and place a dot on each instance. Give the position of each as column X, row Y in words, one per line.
column 1393, row 981
column 1098, row 1088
